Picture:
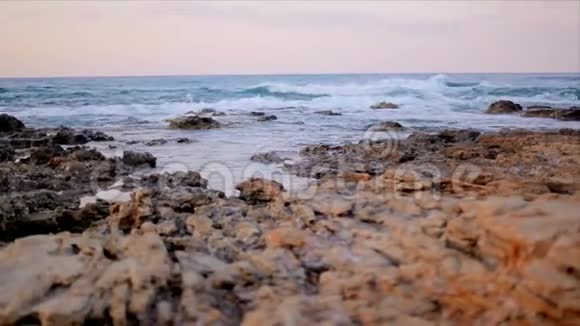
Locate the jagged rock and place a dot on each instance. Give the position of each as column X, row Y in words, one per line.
column 9, row 123
column 43, row 155
column 136, row 159
column 126, row 216
column 268, row 118
column 471, row 223
column 504, row 106
column 193, row 122
column 384, row 105
column 258, row 190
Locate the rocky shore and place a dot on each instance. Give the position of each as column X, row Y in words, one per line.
column 457, row 227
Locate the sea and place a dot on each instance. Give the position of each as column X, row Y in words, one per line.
column 134, row 110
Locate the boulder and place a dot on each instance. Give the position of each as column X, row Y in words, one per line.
column 193, row 122
column 257, row 190
column 268, row 118
column 384, row 105
column 503, row 106
column 9, row 123
column 136, row 159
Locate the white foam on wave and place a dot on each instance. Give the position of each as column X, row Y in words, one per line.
column 379, row 87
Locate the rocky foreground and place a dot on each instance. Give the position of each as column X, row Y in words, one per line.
column 453, row 228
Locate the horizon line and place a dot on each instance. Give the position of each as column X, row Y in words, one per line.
column 289, row 74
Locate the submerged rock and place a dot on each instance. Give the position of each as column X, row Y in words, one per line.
column 386, row 126
column 136, row 159
column 268, row 118
column 267, row 158
column 257, row 114
column 504, row 106
column 384, row 105
column 9, row 123
column 184, row 140
column 156, row 142
column 328, row 113
column 193, row 122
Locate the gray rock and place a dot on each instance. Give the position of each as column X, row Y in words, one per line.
column 137, row 159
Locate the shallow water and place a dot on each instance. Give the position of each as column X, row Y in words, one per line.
column 134, row 108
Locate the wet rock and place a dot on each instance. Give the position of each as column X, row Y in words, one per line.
column 7, row 153
column 384, row 105
column 257, row 190
column 84, row 154
column 328, row 113
column 68, row 136
column 9, row 124
column 572, row 114
column 267, row 158
column 193, row 122
column 136, row 159
column 504, row 106
column 268, row 118
column 184, row 140
column 156, row 142
column 386, row 126
column 257, row 114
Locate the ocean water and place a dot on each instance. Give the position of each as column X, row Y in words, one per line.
column 134, row 108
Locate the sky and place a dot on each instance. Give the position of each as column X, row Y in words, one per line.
column 125, row 38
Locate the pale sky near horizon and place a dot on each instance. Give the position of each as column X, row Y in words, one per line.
column 107, row 38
